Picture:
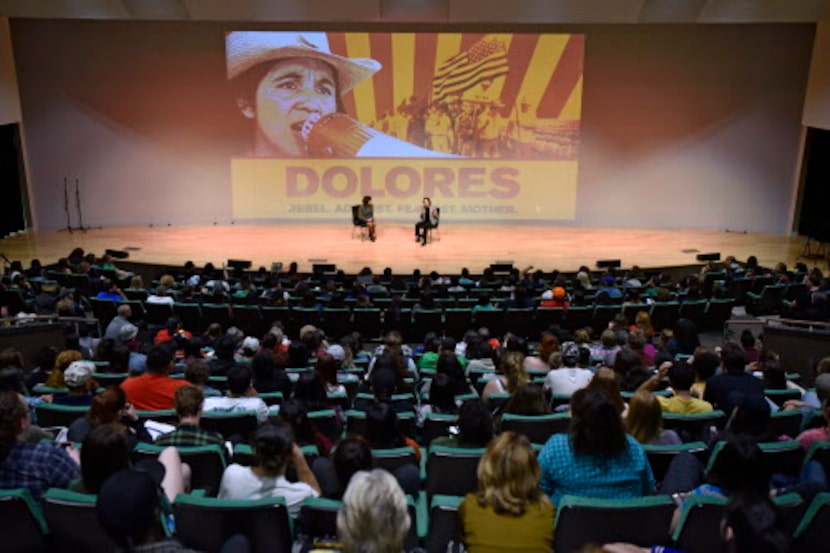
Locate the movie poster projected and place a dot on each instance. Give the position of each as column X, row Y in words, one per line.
column 487, row 125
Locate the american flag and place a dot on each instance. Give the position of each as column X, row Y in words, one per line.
column 483, row 61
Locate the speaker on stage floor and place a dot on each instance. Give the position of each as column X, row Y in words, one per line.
column 609, row 263
column 501, row 267
column 118, row 254
column 239, row 264
column 708, row 257
column 324, row 268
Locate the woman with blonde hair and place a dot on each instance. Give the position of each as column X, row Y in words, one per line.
column 512, row 375
column 509, row 512
column 645, row 421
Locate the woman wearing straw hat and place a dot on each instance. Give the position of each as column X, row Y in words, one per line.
column 284, row 80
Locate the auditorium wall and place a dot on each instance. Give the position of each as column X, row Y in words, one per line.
column 682, row 125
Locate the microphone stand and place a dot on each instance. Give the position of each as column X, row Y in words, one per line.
column 78, row 207
column 66, row 208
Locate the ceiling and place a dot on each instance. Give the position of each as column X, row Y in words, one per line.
column 430, row 11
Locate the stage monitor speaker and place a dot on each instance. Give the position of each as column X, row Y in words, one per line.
column 324, row 268
column 609, row 263
column 239, row 264
column 708, row 257
column 501, row 267
column 118, row 254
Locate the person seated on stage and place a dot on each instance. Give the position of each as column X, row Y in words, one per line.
column 428, row 219
column 366, row 214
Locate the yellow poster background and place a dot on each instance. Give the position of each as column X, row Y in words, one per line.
column 465, row 190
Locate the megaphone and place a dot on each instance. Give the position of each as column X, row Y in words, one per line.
column 336, row 135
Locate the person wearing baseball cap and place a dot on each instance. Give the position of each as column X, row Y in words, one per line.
column 282, row 79
column 79, row 382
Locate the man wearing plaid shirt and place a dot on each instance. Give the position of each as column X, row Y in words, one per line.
column 35, row 467
column 189, row 400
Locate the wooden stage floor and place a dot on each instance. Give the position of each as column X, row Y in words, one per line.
column 472, row 246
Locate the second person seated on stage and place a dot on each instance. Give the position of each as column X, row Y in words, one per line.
column 428, row 219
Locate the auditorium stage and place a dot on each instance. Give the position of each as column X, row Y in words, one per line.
column 472, row 246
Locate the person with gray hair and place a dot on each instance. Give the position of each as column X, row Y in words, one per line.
column 113, row 330
column 374, row 516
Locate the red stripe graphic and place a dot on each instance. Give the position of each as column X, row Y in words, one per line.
column 564, row 78
column 426, row 46
column 337, row 44
column 380, row 45
column 519, row 54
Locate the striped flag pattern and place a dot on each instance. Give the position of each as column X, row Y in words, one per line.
column 485, row 60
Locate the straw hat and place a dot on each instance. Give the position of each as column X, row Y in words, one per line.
column 245, row 49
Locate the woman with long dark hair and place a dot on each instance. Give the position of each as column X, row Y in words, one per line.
column 596, row 458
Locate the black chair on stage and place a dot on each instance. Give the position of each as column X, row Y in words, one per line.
column 357, row 223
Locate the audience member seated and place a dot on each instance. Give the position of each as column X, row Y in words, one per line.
column 223, row 361
column 429, row 356
column 106, row 451
column 295, row 413
column 482, row 357
column 311, row 390
column 596, row 458
column 173, row 332
column 641, row 345
column 189, row 403
column 509, row 512
column 274, row 448
column 724, row 390
column 681, row 378
column 110, row 407
column 113, row 331
column 35, row 467
column 196, row 373
column 442, row 392
column 130, row 512
column 684, row 340
column 352, row 455
column 548, row 345
column 62, row 361
column 374, row 515
column 79, row 382
column 568, row 378
column 529, row 400
column 475, row 427
column 154, row 390
column 644, row 421
column 630, row 370
column 750, row 524
column 739, row 468
column 813, row 435
column 705, row 364
column 269, row 375
column 326, row 367
column 606, row 352
column 241, row 396
column 606, row 379
column 161, row 295
column 511, row 375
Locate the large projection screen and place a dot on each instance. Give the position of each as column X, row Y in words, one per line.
column 486, row 125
